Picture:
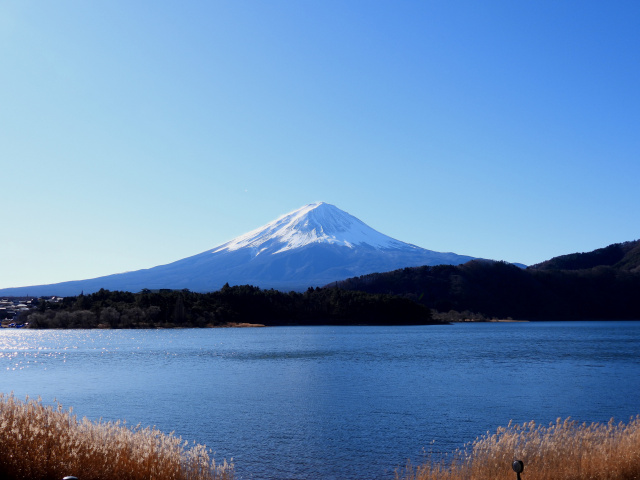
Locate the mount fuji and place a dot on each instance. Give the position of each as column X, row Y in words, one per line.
column 312, row 246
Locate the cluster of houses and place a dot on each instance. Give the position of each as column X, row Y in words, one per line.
column 10, row 309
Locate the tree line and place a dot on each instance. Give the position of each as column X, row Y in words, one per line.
column 489, row 289
column 230, row 305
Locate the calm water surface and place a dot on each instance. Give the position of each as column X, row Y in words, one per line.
column 332, row 402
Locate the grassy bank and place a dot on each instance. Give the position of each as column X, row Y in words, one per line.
column 39, row 442
column 565, row 450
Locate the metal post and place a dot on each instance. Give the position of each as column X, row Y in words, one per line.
column 518, row 467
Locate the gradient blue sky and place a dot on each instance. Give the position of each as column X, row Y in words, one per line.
column 133, row 134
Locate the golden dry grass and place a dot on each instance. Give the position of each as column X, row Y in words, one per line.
column 39, row 442
column 565, row 450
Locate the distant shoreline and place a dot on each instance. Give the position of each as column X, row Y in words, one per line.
column 508, row 320
column 239, row 325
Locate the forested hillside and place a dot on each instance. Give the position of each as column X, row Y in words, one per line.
column 230, row 305
column 623, row 256
column 604, row 284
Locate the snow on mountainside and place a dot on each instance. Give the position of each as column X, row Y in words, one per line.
column 313, row 223
column 312, row 246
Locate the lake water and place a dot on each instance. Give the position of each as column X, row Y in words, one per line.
column 332, row 402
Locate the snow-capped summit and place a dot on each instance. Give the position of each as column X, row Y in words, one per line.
column 312, row 246
column 314, row 223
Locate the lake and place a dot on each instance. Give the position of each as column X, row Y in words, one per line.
column 332, row 402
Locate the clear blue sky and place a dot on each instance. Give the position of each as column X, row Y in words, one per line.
column 133, row 134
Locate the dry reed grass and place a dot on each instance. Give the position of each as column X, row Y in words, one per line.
column 565, row 450
column 39, row 442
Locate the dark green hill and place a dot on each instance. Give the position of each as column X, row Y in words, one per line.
column 604, row 284
column 631, row 259
column 619, row 255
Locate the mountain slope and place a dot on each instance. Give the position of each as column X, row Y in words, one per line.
column 311, row 246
